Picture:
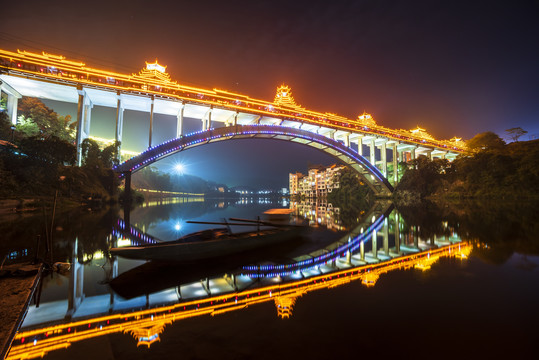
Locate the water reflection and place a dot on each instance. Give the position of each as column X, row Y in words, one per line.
column 96, row 303
column 213, row 297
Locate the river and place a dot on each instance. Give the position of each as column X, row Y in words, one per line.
column 414, row 282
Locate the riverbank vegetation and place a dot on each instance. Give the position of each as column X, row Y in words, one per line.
column 38, row 155
column 500, row 229
column 494, row 169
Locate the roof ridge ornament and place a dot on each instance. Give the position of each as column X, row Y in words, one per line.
column 283, row 97
column 366, row 119
column 422, row 133
column 154, row 72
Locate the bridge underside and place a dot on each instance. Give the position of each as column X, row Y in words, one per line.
column 368, row 172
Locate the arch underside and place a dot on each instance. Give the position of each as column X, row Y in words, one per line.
column 368, row 172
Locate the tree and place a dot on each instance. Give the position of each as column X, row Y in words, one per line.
column 27, row 127
column 50, row 150
column 91, row 154
column 424, row 176
column 36, row 118
column 5, row 126
column 515, row 133
column 487, row 141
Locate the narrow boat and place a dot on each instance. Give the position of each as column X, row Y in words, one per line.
column 214, row 243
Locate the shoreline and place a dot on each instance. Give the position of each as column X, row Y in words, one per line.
column 18, row 285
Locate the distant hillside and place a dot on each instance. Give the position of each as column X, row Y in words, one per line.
column 151, row 178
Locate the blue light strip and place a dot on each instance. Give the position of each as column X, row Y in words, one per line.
column 308, row 264
column 175, row 145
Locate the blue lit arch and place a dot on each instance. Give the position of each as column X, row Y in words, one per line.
column 369, row 173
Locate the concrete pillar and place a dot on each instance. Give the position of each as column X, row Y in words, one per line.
column 179, row 121
column 87, row 117
column 386, row 236
column 332, row 135
column 360, row 145
column 209, row 118
column 397, row 232
column 151, row 124
column 119, row 124
column 236, row 118
column 76, row 283
column 12, row 102
column 13, row 97
column 429, row 155
column 80, row 120
column 127, row 176
column 372, row 149
column 205, row 124
column 362, row 251
column 412, row 153
column 374, row 244
column 347, row 140
column 383, row 156
column 395, row 164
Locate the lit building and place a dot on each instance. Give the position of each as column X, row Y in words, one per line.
column 317, row 183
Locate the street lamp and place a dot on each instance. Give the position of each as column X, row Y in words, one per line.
column 12, row 133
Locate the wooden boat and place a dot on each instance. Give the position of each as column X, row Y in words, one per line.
column 213, row 243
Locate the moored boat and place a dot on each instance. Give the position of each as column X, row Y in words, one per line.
column 213, row 243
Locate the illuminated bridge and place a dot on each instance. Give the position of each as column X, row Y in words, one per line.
column 152, row 91
column 146, row 322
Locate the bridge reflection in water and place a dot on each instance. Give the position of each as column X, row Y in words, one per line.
column 145, row 317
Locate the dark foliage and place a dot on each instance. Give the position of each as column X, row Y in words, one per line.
column 494, row 170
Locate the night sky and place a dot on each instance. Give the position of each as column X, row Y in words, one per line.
column 456, row 68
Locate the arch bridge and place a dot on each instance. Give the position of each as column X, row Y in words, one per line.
column 152, row 91
column 369, row 173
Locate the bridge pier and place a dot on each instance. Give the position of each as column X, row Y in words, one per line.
column 372, row 151
column 179, row 121
column 383, row 156
column 374, row 242
column 76, row 283
column 119, row 124
column 360, row 145
column 13, row 97
column 347, row 140
column 395, row 164
column 206, row 120
column 84, row 114
column 127, row 191
column 397, row 232
column 151, row 124
column 386, row 237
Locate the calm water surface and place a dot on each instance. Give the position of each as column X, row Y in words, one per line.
column 422, row 282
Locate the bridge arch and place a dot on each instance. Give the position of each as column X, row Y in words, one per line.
column 368, row 172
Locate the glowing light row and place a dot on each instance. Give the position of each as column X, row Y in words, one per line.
column 38, row 342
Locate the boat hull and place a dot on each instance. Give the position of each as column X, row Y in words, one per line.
column 198, row 250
